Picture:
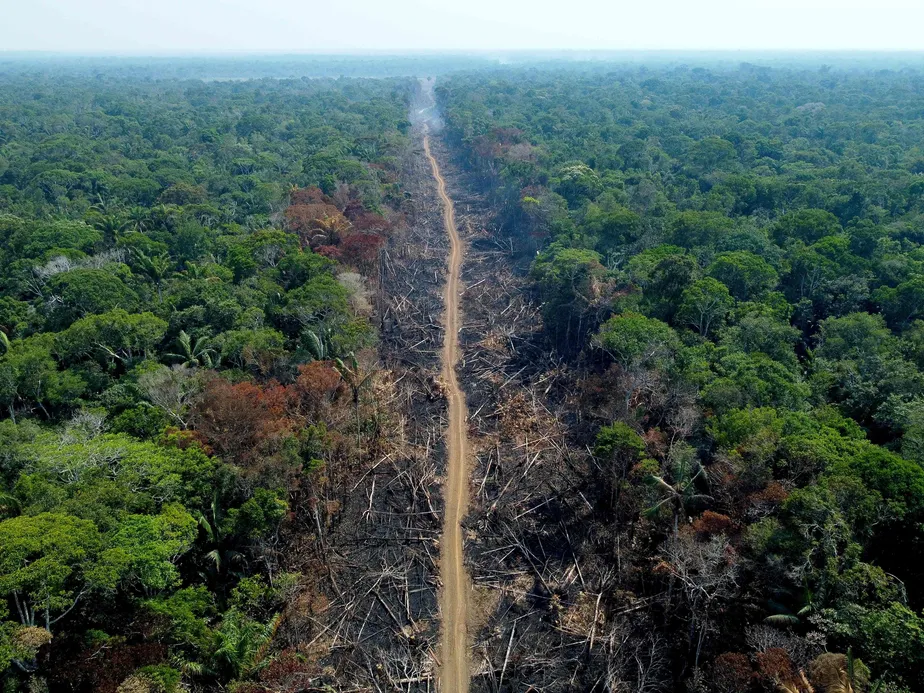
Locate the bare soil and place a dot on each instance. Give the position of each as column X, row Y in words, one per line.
column 456, row 585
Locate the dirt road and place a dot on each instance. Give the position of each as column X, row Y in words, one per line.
column 454, row 670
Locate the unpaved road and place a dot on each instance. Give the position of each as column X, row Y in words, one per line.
column 454, row 670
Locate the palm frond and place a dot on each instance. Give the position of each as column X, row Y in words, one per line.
column 782, row 620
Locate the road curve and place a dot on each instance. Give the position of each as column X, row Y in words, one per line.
column 454, row 672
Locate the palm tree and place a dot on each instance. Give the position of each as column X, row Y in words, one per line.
column 139, row 218
column 165, row 215
column 329, row 229
column 220, row 556
column 318, row 344
column 356, row 380
column 682, row 491
column 156, row 267
column 243, row 643
column 108, row 219
column 194, row 352
column 193, row 271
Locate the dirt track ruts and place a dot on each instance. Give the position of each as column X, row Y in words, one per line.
column 454, row 672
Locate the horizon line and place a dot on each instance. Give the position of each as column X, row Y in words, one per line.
column 459, row 52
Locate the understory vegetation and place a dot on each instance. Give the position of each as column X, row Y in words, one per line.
column 731, row 260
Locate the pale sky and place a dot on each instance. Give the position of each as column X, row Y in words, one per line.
column 208, row 26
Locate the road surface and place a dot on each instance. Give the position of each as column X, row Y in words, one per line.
column 454, row 673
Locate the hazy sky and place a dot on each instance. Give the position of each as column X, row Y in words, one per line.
column 172, row 26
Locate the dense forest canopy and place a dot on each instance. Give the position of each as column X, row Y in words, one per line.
column 184, row 302
column 734, row 257
column 241, row 67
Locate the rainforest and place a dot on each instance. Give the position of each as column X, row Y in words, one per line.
column 447, row 373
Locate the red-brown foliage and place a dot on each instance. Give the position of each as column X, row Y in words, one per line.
column 775, row 493
column 316, row 224
column 318, row 383
column 486, row 148
column 354, row 210
column 245, row 422
column 732, row 673
column 289, row 672
column 361, row 250
column 775, row 666
column 308, row 196
column 307, row 400
column 710, row 523
column 329, row 251
column 368, row 221
column 240, row 420
column 656, row 442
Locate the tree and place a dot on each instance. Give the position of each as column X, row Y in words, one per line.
column 109, row 223
column 898, row 481
column 568, row 282
column 260, row 349
column 173, row 390
column 116, row 336
column 56, row 184
column 29, row 377
column 316, row 224
column 193, row 352
column 855, row 336
column 17, row 318
column 183, row 194
column 745, row 274
column 242, row 643
column 712, row 153
column 300, row 267
column 619, row 448
column 633, row 340
column 679, row 484
column 732, row 673
column 707, row 573
column 155, row 267
column 321, row 302
column 754, row 380
column 893, row 641
column 361, row 250
column 705, row 304
column 666, row 284
column 858, row 363
column 614, row 228
column 269, row 246
column 577, row 181
column 904, row 303
column 122, row 473
column 86, row 291
column 239, row 421
column 837, row 672
column 146, row 548
column 48, row 563
column 806, row 225
column 641, row 267
column 760, row 330
column 354, row 377
column 693, row 229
